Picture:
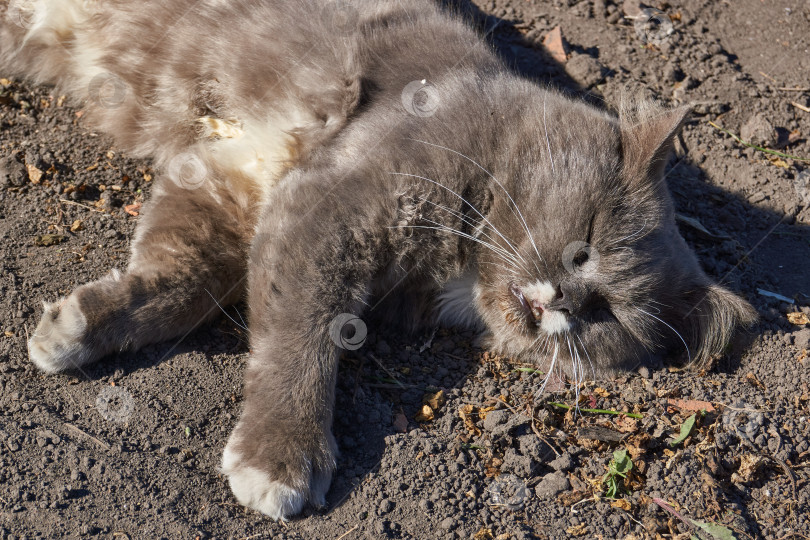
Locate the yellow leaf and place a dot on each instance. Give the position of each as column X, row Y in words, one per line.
column 34, row 174
column 425, row 414
column 483, row 534
column 624, row 504
column 578, row 530
column 798, row 318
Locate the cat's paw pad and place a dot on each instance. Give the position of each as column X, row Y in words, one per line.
column 256, row 489
column 57, row 343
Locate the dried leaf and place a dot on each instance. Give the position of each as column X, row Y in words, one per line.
column 466, row 412
column 425, row 414
column 624, row 504
column 483, row 534
column 571, row 497
column 555, row 45
column 401, row 423
column 77, row 226
column 492, row 467
column 34, row 174
column 601, row 392
column 625, row 424
column 435, row 400
column 691, row 405
column 132, row 209
column 779, row 162
column 798, row 318
column 794, row 136
column 577, row 530
column 751, row 378
column 750, row 465
column 49, row 240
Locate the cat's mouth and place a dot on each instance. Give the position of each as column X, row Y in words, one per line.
column 536, row 314
column 532, row 313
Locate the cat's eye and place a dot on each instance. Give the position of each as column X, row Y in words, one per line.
column 589, row 238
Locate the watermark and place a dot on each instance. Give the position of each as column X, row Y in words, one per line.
column 420, row 98
column 508, row 491
column 348, row 331
column 115, row 404
column 801, row 183
column 23, row 13
column 653, row 26
column 743, row 420
column 187, row 170
column 107, row 90
column 579, row 257
column 342, row 16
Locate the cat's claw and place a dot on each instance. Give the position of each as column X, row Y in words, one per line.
column 256, row 489
column 57, row 343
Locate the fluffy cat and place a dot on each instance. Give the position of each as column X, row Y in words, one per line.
column 320, row 156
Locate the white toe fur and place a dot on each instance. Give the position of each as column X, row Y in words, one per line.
column 253, row 488
column 57, row 341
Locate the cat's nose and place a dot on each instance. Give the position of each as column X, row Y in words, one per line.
column 567, row 299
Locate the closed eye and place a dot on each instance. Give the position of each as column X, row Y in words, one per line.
column 589, row 238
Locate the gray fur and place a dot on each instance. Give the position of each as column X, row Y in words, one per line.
column 361, row 196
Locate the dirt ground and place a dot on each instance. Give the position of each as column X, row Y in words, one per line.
column 130, row 448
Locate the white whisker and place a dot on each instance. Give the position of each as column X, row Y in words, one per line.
column 685, row 346
column 516, row 207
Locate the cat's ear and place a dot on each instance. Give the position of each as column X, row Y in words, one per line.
column 648, row 132
column 711, row 315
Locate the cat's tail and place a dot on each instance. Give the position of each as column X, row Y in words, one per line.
column 38, row 39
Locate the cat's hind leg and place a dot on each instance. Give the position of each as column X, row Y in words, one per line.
column 189, row 249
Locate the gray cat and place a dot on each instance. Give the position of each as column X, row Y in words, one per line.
column 330, row 154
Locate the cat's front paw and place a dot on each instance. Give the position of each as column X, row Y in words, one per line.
column 280, row 481
column 58, row 341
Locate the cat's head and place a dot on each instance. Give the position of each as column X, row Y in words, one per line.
column 588, row 269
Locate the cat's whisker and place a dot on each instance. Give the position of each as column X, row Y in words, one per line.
column 548, row 141
column 551, row 365
column 574, row 374
column 505, row 239
column 516, row 211
column 242, row 326
column 444, row 228
column 588, row 356
column 494, row 247
column 685, row 346
column 476, row 224
column 629, row 235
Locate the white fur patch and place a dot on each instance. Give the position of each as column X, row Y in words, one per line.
column 255, row 489
column 542, row 291
column 551, row 322
column 56, row 344
column 455, row 303
column 554, row 322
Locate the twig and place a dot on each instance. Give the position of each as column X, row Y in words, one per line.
column 755, row 147
column 800, row 107
column 101, row 443
column 795, row 89
column 83, row 206
column 598, row 411
column 344, row 535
